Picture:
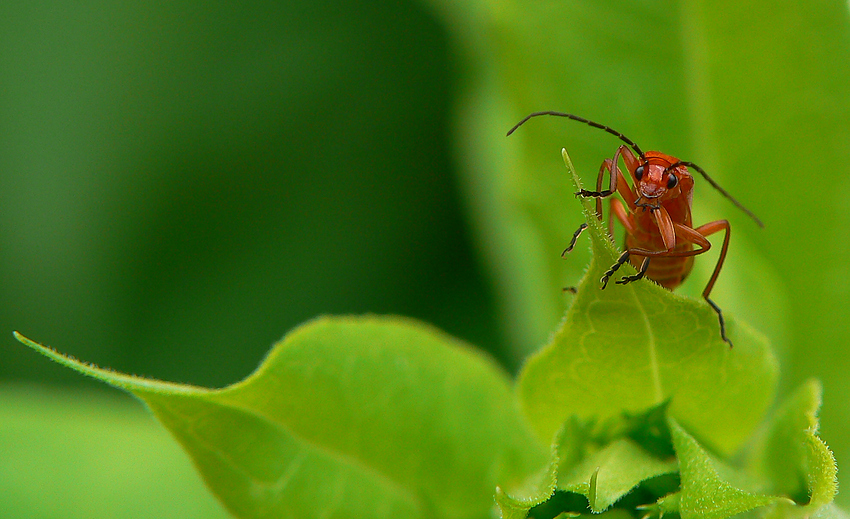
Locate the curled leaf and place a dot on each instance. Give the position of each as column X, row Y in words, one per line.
column 707, row 490
column 790, row 456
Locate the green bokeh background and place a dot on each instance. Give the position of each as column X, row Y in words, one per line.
column 183, row 183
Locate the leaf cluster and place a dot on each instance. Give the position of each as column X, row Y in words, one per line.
column 636, row 407
column 642, row 398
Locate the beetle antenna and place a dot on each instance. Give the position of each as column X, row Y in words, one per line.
column 610, row 130
column 722, row 191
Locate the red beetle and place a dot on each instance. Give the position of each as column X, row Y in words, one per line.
column 656, row 212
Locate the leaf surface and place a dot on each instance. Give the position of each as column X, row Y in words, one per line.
column 706, row 490
column 789, row 454
column 630, row 347
column 514, row 502
column 610, row 473
column 350, row 417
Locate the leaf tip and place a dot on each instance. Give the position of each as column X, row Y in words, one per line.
column 570, row 168
column 26, row 341
column 592, row 494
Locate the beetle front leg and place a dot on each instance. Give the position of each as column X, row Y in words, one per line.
column 643, row 268
column 618, row 182
column 599, row 194
column 624, row 257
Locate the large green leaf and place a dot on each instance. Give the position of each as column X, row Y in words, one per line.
column 350, row 417
column 631, row 347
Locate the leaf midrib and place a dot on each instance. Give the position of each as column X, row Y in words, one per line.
column 652, row 349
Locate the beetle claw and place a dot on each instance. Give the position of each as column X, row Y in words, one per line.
column 625, row 280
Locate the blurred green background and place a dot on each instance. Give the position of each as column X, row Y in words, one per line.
column 183, row 183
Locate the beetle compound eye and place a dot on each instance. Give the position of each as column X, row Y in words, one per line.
column 639, row 172
column 672, row 180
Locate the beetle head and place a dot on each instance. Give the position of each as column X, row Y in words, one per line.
column 660, row 178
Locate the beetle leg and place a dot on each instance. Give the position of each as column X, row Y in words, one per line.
column 618, row 182
column 705, row 230
column 722, row 321
column 643, row 268
column 685, row 234
column 624, row 257
column 623, row 187
column 632, row 162
column 698, row 237
column 665, row 227
column 609, row 165
column 624, row 217
column 619, row 211
column 576, row 234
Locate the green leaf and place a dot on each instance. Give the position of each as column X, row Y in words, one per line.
column 668, row 504
column 830, row 511
column 630, row 347
column 789, row 454
column 707, row 492
column 600, row 461
column 605, row 461
column 515, row 502
column 350, row 417
column 610, row 473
